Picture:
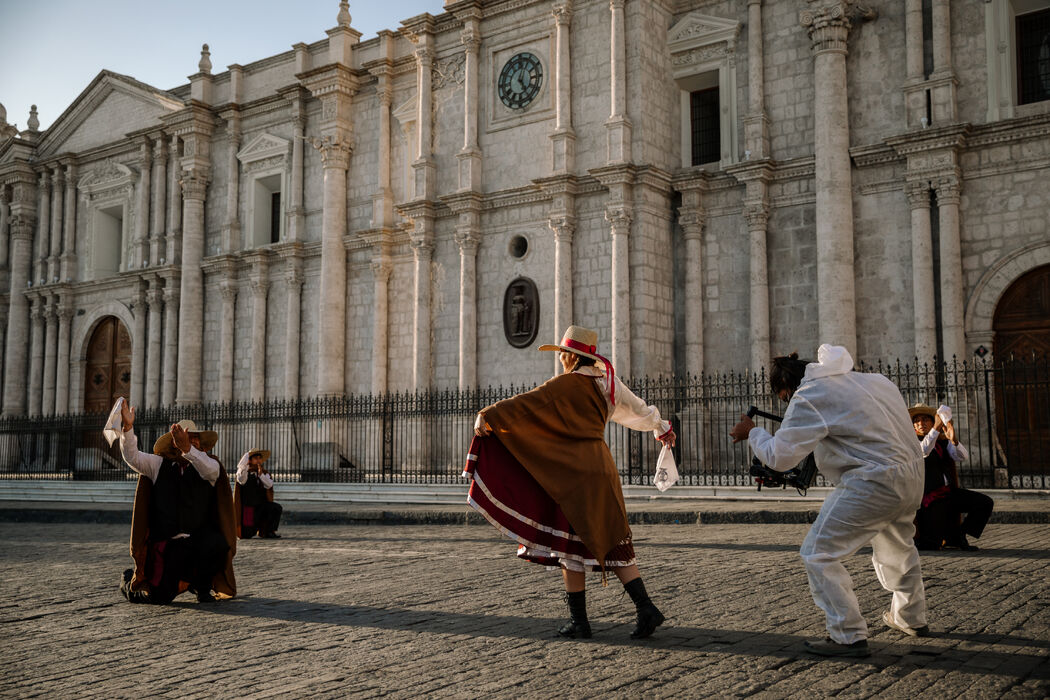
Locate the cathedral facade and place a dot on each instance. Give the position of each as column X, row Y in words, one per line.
column 704, row 182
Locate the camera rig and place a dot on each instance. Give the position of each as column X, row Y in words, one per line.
column 800, row 477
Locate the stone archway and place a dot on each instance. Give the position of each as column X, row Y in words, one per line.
column 1021, row 327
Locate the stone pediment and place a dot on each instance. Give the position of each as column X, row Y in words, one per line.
column 407, row 112
column 110, row 107
column 262, row 147
column 106, row 178
column 696, row 29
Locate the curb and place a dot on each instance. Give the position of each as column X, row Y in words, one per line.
column 439, row 517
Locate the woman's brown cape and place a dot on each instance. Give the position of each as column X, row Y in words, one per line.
column 557, row 433
column 238, row 506
column 224, row 583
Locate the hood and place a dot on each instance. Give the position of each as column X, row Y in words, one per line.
column 831, row 360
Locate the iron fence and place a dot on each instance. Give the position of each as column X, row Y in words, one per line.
column 1000, row 412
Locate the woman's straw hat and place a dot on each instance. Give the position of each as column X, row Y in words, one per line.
column 165, row 444
column 579, row 340
column 265, row 454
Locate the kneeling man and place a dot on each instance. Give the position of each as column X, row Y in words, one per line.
column 253, row 498
column 182, row 527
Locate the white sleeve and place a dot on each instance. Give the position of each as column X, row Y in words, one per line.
column 142, row 462
column 799, row 433
column 631, row 412
column 928, row 442
column 959, row 453
column 207, row 467
column 242, row 469
column 266, row 480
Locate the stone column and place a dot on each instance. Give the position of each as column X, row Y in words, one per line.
column 296, row 214
column 173, row 247
column 757, row 216
column 55, row 249
column 155, row 300
column 260, row 284
column 953, row 310
column 691, row 219
column 423, row 252
column 68, row 261
column 470, row 155
column 21, row 226
column 836, row 306
column 36, row 356
column 381, row 270
column 564, row 228
column 331, row 360
column 138, row 348
column 50, row 355
column 424, row 165
column 159, row 205
column 756, row 125
column 171, row 340
column 563, row 140
column 922, row 271
column 65, row 319
column 467, row 238
column 43, row 238
column 913, row 40
column 5, row 232
column 382, row 199
column 142, row 192
column 618, row 126
column 191, row 293
column 942, row 39
column 293, row 293
column 620, row 220
column 227, row 336
column 231, row 230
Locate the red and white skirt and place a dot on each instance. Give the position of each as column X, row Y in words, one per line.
column 507, row 496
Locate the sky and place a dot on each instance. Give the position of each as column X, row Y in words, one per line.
column 50, row 50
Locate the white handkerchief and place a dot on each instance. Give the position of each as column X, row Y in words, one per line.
column 111, row 431
column 945, row 413
column 666, row 470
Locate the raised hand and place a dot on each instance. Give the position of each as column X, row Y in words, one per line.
column 127, row 416
column 180, row 437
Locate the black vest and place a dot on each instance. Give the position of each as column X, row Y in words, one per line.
column 938, row 467
column 253, row 493
column 182, row 501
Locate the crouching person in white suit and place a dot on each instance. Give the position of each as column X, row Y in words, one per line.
column 858, row 428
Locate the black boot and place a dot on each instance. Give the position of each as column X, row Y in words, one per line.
column 577, row 626
column 649, row 617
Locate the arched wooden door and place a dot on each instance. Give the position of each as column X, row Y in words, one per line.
column 1022, row 359
column 108, row 371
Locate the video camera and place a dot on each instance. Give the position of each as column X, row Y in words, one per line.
column 800, row 477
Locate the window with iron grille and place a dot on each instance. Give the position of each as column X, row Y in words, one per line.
column 1033, row 57
column 706, row 137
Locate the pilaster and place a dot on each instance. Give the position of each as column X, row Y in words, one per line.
column 292, row 255
column 68, row 259
column 923, row 305
column 692, row 217
column 57, row 210
column 618, row 126
column 22, row 222
column 563, row 139
column 65, row 318
column 258, row 263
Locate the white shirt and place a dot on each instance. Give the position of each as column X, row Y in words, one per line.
column 149, row 464
column 846, row 419
column 242, row 473
column 958, row 453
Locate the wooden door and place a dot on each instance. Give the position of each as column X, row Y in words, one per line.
column 108, row 371
column 1022, row 359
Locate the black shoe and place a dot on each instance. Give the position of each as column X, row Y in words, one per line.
column 923, row 631
column 575, row 630
column 270, row 536
column 125, row 583
column 829, row 647
column 205, row 597
column 961, row 544
column 924, row 546
column 649, row 618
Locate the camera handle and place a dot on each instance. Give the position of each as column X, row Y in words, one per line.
column 753, row 411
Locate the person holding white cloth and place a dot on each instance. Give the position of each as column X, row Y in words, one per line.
column 857, row 426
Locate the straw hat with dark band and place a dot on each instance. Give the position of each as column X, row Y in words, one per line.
column 579, row 340
column 165, row 444
column 265, row 454
column 921, row 409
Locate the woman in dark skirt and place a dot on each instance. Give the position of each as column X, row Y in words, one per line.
column 544, row 476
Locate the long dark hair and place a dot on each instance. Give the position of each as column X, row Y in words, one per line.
column 787, row 373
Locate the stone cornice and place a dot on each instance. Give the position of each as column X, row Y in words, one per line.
column 952, row 137
column 196, row 118
column 747, row 170
column 876, row 154
column 691, row 179
column 328, row 79
column 225, row 264
column 461, row 202
column 1018, row 129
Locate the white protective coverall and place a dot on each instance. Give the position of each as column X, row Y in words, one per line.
column 858, row 428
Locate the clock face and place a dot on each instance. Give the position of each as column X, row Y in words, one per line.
column 520, row 80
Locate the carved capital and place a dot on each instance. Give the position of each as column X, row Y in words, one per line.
column 385, row 94
column 918, row 194
column 692, row 223
column 949, row 189
column 421, row 246
column 65, row 313
column 424, row 56
column 757, row 216
column 335, row 151
column 22, row 226
column 468, row 239
column 228, row 290
column 381, row 271
column 829, row 24
column 564, row 228
column 471, row 39
column 56, row 177
column 194, row 183
column 160, row 151
column 562, row 12
column 45, row 182
column 619, row 219
column 71, row 175
column 154, row 297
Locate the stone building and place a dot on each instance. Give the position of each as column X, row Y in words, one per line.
column 704, row 181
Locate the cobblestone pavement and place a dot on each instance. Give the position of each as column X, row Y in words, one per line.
column 411, row 611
